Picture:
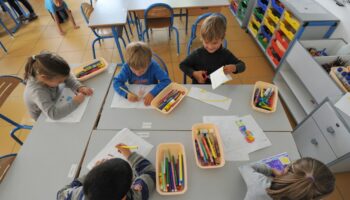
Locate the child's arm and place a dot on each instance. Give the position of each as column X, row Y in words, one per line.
column 71, row 18
column 144, row 183
column 73, row 83
column 120, row 80
column 162, row 77
column 187, row 65
column 74, row 190
column 58, row 24
column 234, row 64
column 255, row 173
column 49, row 107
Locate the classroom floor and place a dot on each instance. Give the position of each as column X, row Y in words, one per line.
column 75, row 47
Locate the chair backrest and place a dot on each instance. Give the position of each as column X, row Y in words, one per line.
column 5, row 164
column 86, row 10
column 160, row 62
column 159, row 15
column 7, row 85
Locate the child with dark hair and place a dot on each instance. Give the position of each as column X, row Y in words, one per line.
column 113, row 180
column 43, row 75
column 304, row 179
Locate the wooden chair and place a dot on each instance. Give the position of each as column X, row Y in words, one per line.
column 5, row 164
column 160, row 62
column 7, row 85
column 101, row 33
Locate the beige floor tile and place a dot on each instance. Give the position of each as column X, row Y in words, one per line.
column 6, row 142
column 73, row 57
column 15, row 109
column 334, row 196
column 27, row 32
column 178, row 74
column 21, row 48
column 49, row 44
column 12, row 65
column 237, row 33
column 83, row 30
column 42, row 21
column 105, row 43
column 105, row 53
column 51, row 31
column 244, row 48
column 343, row 182
column 252, row 80
column 256, row 66
column 163, row 52
column 76, row 43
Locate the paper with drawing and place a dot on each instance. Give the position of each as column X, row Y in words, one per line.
column 140, row 90
column 210, row 98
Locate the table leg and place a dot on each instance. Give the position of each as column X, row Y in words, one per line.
column 116, row 38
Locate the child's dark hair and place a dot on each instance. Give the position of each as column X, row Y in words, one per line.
column 48, row 64
column 306, row 179
column 110, row 180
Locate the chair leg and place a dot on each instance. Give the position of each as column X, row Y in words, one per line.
column 186, row 21
column 127, row 34
column 128, row 21
column 93, row 47
column 3, row 47
column 147, row 35
column 18, row 127
column 169, row 33
column 6, row 29
column 177, row 40
column 123, row 41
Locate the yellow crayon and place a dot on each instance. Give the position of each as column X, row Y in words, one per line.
column 129, row 147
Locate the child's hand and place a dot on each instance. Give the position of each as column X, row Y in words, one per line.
column 86, row 90
column 228, row 69
column 200, row 76
column 276, row 172
column 76, row 27
column 78, row 98
column 132, row 97
column 147, row 99
column 62, row 32
column 125, row 152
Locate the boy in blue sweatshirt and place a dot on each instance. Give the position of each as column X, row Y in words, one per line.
column 140, row 69
column 114, row 179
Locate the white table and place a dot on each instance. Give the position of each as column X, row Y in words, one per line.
column 52, row 151
column 202, row 184
column 191, row 111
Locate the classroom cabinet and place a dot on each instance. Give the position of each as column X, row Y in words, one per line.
column 242, row 9
column 277, row 24
column 324, row 136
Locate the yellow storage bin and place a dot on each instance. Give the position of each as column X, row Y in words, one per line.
column 289, row 34
column 90, row 69
column 269, row 25
column 256, row 22
column 272, row 16
column 252, row 29
column 291, row 20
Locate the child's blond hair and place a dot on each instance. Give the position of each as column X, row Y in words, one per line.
column 213, row 28
column 138, row 55
column 306, row 179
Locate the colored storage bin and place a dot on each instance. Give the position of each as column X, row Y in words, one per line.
column 269, row 24
column 273, row 56
column 256, row 22
column 265, row 31
column 277, row 7
column 273, row 99
column 253, row 30
column 263, row 5
column 279, row 49
column 90, row 69
column 258, row 14
column 287, row 32
column 282, row 39
column 263, row 40
column 291, row 20
column 274, row 18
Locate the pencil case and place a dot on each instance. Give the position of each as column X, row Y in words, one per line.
column 264, row 98
column 169, row 98
column 90, row 69
column 171, row 178
column 210, row 142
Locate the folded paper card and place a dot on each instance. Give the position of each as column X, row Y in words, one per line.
column 219, row 77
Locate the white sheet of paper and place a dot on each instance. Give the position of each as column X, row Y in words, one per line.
column 210, row 98
column 75, row 116
column 236, row 148
column 128, row 138
column 344, row 104
column 140, row 90
column 219, row 77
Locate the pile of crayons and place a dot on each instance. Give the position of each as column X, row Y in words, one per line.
column 171, row 177
column 90, row 69
column 263, row 98
column 207, row 147
column 248, row 135
column 170, row 100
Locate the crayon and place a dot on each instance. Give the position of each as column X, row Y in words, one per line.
column 207, row 149
column 180, row 169
column 127, row 91
column 210, row 146
column 129, row 147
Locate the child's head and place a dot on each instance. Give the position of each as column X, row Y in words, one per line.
column 138, row 56
column 110, row 180
column 47, row 68
column 305, row 179
column 213, row 32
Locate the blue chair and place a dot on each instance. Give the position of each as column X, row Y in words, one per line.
column 7, row 85
column 6, row 29
column 5, row 164
column 3, row 47
column 196, row 25
column 160, row 15
column 101, row 33
column 160, row 62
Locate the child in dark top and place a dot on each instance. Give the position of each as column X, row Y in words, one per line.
column 205, row 60
column 114, row 179
column 140, row 69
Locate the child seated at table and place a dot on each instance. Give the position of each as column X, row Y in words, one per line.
column 205, row 60
column 43, row 75
column 140, row 68
column 114, row 179
column 55, row 7
column 304, row 179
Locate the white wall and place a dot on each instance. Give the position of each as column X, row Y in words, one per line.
column 343, row 13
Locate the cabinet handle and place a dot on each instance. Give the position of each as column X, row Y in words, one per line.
column 330, row 130
column 314, row 141
column 313, row 101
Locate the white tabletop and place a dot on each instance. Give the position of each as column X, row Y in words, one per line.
column 53, row 149
column 191, row 111
column 202, row 184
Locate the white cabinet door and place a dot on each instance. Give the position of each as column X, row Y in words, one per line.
column 333, row 129
column 311, row 142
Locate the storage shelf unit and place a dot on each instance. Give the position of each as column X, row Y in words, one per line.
column 277, row 24
column 302, row 78
column 242, row 9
